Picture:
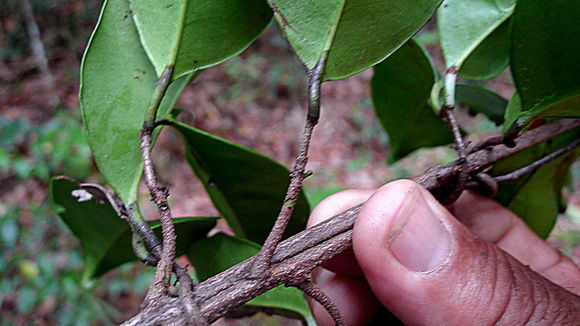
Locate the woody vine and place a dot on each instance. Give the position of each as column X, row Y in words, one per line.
column 142, row 54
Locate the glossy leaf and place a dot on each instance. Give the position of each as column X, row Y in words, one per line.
column 512, row 111
column 246, row 187
column 401, row 88
column 193, row 34
column 536, row 198
column 117, row 81
column 465, row 24
column 544, row 58
column 105, row 238
column 356, row 33
column 220, row 252
column 481, row 100
column 490, row 57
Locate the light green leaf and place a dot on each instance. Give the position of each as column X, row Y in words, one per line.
column 356, row 34
column 490, row 57
column 401, row 88
column 220, row 252
column 536, row 197
column 117, row 81
column 246, row 187
column 106, row 239
column 544, row 58
column 465, row 24
column 193, row 34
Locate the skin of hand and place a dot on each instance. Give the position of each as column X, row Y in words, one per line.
column 482, row 266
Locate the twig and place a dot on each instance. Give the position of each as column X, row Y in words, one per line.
column 158, row 193
column 447, row 113
column 532, row 167
column 187, row 296
column 312, row 290
column 298, row 173
column 145, row 243
column 297, row 256
column 447, row 110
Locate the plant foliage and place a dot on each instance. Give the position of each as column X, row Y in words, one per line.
column 135, row 41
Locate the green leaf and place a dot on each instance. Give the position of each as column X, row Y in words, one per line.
column 538, row 202
column 512, row 111
column 220, row 252
column 117, row 81
column 105, row 238
column 246, row 187
column 544, row 58
column 482, row 100
column 356, row 34
column 490, row 57
column 536, row 197
column 401, row 87
column 465, row 24
column 194, row 35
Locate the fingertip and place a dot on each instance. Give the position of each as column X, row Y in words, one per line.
column 494, row 223
column 336, row 204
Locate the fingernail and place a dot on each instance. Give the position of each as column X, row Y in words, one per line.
column 417, row 237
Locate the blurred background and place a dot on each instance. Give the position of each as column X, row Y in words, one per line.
column 256, row 99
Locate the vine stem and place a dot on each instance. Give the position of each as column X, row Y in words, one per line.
column 158, row 193
column 537, row 164
column 448, row 114
column 296, row 257
column 312, row 290
column 447, row 110
column 298, row 173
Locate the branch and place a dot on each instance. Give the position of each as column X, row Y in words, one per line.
column 298, row 173
column 534, row 166
column 312, row 290
column 296, row 257
column 158, row 193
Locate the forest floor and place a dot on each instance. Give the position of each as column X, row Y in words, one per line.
column 256, row 99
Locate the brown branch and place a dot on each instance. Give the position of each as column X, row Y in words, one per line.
column 158, row 193
column 447, row 113
column 298, row 174
column 534, row 166
column 296, row 257
column 312, row 290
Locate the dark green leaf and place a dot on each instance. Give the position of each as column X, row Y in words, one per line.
column 401, row 87
column 512, row 111
column 220, row 252
column 465, row 24
column 194, row 35
column 490, row 57
column 481, row 100
column 117, row 81
column 246, row 187
column 544, row 58
column 106, row 239
column 536, row 198
column 356, row 33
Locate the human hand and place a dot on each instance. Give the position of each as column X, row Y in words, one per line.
column 417, row 260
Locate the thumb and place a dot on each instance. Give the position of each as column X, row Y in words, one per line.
column 428, row 269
